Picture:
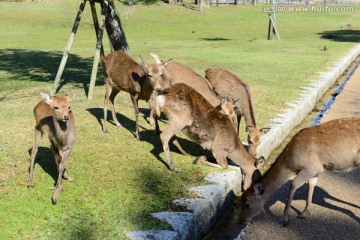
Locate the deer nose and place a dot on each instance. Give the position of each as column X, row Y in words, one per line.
column 158, row 89
column 66, row 118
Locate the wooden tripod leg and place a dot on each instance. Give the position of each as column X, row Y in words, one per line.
column 67, row 49
column 96, row 24
column 104, row 6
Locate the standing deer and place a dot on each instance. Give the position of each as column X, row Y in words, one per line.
column 334, row 145
column 226, row 85
column 189, row 112
column 123, row 73
column 55, row 118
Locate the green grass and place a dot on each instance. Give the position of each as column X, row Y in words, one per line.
column 119, row 180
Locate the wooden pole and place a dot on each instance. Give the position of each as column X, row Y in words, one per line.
column 96, row 24
column 272, row 30
column 67, row 49
column 100, row 32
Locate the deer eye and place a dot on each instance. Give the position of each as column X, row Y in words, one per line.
column 150, row 75
column 56, row 107
column 69, row 107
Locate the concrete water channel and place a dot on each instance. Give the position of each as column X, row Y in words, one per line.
column 341, row 100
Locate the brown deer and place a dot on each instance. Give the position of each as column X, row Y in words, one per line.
column 54, row 117
column 140, row 81
column 189, row 112
column 227, row 86
column 178, row 73
column 334, row 145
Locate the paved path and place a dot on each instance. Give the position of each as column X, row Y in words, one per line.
column 336, row 209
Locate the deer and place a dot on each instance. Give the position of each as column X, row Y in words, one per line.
column 176, row 72
column 140, row 81
column 228, row 86
column 188, row 111
column 333, row 145
column 54, row 118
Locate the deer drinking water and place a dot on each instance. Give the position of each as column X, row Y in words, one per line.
column 189, row 112
column 140, row 81
column 334, row 145
column 227, row 86
column 55, row 118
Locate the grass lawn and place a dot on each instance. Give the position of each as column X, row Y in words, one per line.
column 119, row 180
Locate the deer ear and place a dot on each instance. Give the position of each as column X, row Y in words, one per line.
column 258, row 189
column 157, row 58
column 237, row 102
column 260, row 162
column 164, row 64
column 71, row 96
column 265, row 130
column 144, row 62
column 46, row 97
column 223, row 101
column 249, row 129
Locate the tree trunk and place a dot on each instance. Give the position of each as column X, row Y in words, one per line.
column 114, row 29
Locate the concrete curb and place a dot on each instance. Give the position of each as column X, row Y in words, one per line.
column 300, row 108
column 214, row 199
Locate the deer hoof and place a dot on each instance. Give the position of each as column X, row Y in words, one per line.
column 30, row 185
column 177, row 170
column 303, row 215
column 200, row 160
column 54, row 201
column 105, row 130
column 286, row 221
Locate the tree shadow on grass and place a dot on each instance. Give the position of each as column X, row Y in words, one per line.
column 127, row 123
column 344, row 35
column 42, row 66
column 216, row 39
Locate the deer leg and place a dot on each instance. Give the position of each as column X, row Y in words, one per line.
column 177, row 144
column 134, row 100
column 157, row 128
column 165, row 137
column 58, row 160
column 238, row 123
column 152, row 106
column 202, row 160
column 106, row 101
column 58, row 187
column 312, row 184
column 34, row 150
column 302, row 177
column 112, row 100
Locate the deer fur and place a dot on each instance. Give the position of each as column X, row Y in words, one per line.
column 188, row 111
column 334, row 145
column 140, row 81
column 54, row 117
column 178, row 73
column 228, row 86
